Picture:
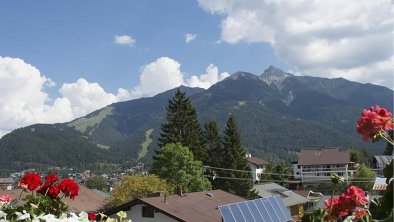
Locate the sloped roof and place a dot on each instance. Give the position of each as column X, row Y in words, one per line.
column 322, row 156
column 289, row 197
column 196, row 206
column 7, row 180
column 263, row 209
column 383, row 160
column 257, row 161
column 87, row 200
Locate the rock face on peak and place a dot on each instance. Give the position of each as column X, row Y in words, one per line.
column 275, row 76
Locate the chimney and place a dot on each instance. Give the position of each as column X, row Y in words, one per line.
column 180, row 191
column 165, row 198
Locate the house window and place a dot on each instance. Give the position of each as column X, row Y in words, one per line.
column 148, row 212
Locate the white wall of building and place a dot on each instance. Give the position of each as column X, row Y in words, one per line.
column 135, row 214
column 256, row 171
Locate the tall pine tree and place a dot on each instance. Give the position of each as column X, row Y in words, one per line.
column 215, row 150
column 239, row 183
column 214, row 144
column 182, row 126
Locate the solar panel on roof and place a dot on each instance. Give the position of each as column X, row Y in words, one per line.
column 269, row 209
column 226, row 214
column 262, row 210
column 277, row 208
column 284, row 209
column 237, row 213
column 246, row 212
column 254, row 211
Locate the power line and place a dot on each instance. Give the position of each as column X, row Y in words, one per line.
column 279, row 174
column 237, row 178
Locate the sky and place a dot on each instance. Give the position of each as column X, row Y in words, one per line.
column 60, row 60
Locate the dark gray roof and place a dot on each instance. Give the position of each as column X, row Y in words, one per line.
column 289, row 197
column 383, row 160
column 101, row 193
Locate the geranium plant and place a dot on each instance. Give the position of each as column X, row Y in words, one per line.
column 45, row 198
column 374, row 124
column 44, row 203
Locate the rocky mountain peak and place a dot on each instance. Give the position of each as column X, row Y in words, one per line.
column 274, row 75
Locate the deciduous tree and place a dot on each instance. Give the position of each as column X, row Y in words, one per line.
column 177, row 166
column 97, row 182
column 363, row 173
column 134, row 187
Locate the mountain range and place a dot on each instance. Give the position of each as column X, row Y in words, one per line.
column 277, row 113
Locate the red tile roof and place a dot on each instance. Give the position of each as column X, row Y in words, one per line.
column 197, row 206
column 257, row 161
column 322, row 156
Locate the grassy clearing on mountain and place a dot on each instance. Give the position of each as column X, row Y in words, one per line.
column 145, row 144
column 82, row 124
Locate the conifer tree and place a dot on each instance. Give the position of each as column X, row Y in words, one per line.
column 213, row 143
column 235, row 158
column 182, row 126
column 215, row 150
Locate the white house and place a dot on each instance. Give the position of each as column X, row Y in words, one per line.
column 257, row 166
column 318, row 164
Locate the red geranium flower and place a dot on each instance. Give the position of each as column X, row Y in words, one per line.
column 372, row 121
column 50, row 190
column 5, row 198
column 30, row 181
column 69, row 188
column 92, row 216
column 51, row 178
column 357, row 195
column 360, row 213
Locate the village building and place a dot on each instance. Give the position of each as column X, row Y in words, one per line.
column 6, row 183
column 257, row 166
column 318, row 164
column 293, row 201
column 196, row 206
column 379, row 162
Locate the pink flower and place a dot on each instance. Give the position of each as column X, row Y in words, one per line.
column 372, row 121
column 357, row 195
column 360, row 213
column 5, row 198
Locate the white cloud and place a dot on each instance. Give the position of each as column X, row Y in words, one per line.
column 23, row 100
column 165, row 73
column 206, row 80
column 124, row 40
column 323, row 38
column 190, row 37
column 86, row 97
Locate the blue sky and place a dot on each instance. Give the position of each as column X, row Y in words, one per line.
column 60, row 60
column 67, row 40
